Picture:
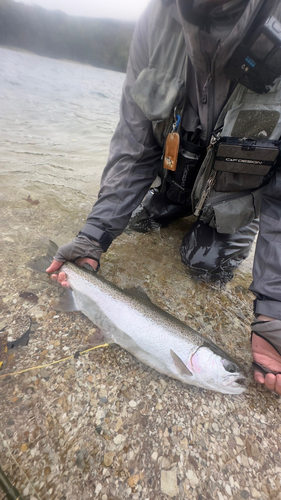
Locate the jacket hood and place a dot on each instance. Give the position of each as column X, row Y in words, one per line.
column 224, row 34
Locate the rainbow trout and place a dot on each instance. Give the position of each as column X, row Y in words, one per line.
column 154, row 337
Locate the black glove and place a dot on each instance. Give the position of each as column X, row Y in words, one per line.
column 78, row 248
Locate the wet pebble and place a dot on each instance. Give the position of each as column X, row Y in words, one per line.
column 169, row 484
column 81, row 455
column 69, row 373
column 193, row 479
column 108, row 459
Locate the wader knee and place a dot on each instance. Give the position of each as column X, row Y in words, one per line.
column 212, row 256
column 156, row 210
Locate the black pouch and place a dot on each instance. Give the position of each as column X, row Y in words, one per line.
column 180, row 183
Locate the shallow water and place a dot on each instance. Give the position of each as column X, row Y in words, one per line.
column 56, row 122
column 103, row 425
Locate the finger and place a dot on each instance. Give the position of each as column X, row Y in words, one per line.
column 270, row 381
column 54, row 266
column 63, row 281
column 61, row 277
column 278, row 385
column 86, row 260
column 65, row 284
column 259, row 377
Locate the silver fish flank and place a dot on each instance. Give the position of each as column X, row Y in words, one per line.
column 154, row 337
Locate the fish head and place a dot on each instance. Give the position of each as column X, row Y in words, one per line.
column 215, row 370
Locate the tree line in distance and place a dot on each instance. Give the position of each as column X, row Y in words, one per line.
column 103, row 43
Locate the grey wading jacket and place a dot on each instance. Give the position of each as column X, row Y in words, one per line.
column 171, row 58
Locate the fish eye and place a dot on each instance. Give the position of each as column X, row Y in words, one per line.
column 229, row 367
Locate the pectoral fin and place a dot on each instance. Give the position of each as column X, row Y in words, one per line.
column 66, row 302
column 181, row 367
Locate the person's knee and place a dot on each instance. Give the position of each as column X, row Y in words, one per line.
column 156, row 210
column 212, row 256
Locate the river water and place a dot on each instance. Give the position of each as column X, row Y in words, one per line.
column 56, row 122
column 104, row 426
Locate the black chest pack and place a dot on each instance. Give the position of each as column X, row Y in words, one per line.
column 255, row 64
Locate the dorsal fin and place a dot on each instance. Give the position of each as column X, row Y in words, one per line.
column 137, row 293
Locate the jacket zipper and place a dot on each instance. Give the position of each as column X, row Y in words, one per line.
column 210, row 98
column 210, row 87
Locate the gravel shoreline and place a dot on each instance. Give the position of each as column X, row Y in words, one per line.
column 102, row 425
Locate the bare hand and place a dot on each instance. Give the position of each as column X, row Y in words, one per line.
column 267, row 356
column 75, row 251
column 61, row 277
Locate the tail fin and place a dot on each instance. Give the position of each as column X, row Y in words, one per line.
column 41, row 263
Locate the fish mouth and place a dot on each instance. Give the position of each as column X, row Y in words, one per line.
column 234, row 384
column 237, row 380
column 235, row 377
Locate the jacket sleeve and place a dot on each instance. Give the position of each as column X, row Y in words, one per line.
column 133, row 157
column 266, row 283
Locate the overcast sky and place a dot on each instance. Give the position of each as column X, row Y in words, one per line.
column 117, row 9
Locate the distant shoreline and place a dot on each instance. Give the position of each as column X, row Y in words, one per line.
column 102, row 43
column 71, row 61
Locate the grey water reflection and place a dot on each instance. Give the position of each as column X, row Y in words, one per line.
column 56, row 120
column 102, row 425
